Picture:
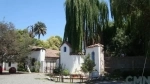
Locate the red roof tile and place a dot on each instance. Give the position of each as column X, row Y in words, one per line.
column 95, row 45
column 51, row 53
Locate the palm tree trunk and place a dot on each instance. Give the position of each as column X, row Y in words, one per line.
column 39, row 36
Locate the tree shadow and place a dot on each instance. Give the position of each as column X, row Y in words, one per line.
column 104, row 82
column 7, row 73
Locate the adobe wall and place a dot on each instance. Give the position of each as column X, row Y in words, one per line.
column 74, row 62
column 125, row 63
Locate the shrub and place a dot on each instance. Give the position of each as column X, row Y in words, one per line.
column 61, row 70
column 57, row 71
column 65, row 72
column 33, row 69
column 12, row 70
column 21, row 67
column 88, row 65
column 37, row 66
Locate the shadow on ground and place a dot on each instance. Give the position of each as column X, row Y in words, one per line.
column 92, row 82
column 7, row 73
column 97, row 81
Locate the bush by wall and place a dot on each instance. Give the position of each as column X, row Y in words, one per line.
column 65, row 72
column 21, row 67
column 61, row 70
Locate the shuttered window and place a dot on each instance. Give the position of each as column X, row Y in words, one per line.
column 93, row 56
column 65, row 49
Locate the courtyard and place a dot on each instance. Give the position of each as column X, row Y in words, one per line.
column 33, row 78
column 37, row 78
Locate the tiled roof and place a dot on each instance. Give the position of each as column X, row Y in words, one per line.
column 95, row 45
column 51, row 53
column 36, row 48
column 66, row 43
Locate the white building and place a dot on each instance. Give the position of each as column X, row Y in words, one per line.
column 46, row 57
column 51, row 58
column 37, row 54
column 8, row 65
column 73, row 62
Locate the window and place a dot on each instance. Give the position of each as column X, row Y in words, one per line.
column 9, row 64
column 33, row 61
column 64, row 49
column 93, row 56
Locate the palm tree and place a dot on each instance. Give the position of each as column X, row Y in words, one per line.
column 39, row 28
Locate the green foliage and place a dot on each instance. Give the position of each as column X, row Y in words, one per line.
column 41, row 43
column 121, row 41
column 65, row 72
column 39, row 29
column 33, row 69
column 37, row 66
column 61, row 70
column 21, row 67
column 24, row 40
column 59, row 38
column 132, row 18
column 57, row 71
column 88, row 64
column 7, row 36
column 85, row 21
column 14, row 43
column 54, row 42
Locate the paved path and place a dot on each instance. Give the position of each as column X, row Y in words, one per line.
column 33, row 78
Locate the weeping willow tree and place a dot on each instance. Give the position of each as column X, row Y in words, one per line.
column 133, row 16
column 85, row 21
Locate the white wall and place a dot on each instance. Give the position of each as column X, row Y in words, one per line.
column 39, row 56
column 70, row 62
column 2, row 65
column 12, row 65
column 42, row 57
column 102, row 61
column 68, row 50
column 74, row 62
column 6, row 67
column 97, row 56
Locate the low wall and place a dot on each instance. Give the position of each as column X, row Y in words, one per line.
column 125, row 63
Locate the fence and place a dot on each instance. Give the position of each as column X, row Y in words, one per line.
column 125, row 63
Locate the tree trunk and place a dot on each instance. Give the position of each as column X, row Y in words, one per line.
column 39, row 36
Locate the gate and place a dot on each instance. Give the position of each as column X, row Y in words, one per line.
column 50, row 66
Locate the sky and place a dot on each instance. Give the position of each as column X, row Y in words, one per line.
column 23, row 13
